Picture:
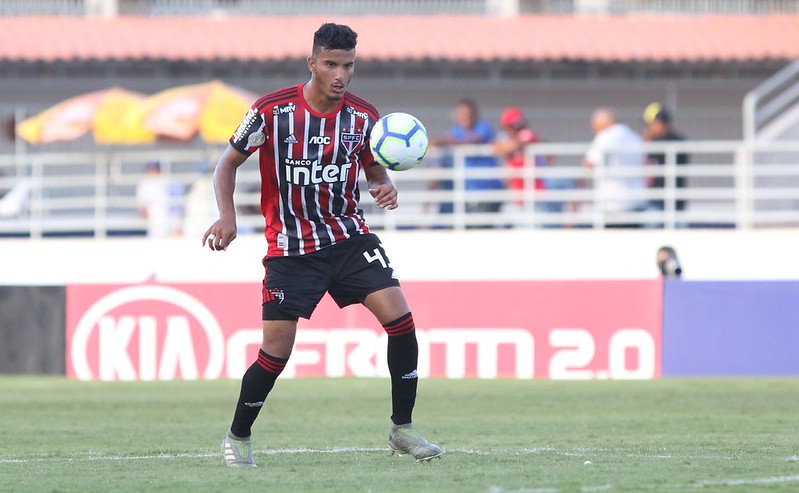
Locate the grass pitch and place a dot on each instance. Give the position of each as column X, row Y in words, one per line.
column 500, row 436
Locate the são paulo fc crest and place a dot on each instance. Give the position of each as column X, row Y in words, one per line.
column 350, row 141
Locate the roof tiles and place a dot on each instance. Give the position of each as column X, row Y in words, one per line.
column 466, row 38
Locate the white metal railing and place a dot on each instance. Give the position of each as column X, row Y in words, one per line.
column 402, row 7
column 694, row 6
column 770, row 99
column 732, row 184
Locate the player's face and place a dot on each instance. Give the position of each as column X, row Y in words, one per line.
column 331, row 72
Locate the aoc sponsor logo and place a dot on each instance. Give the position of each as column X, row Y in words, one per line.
column 147, row 333
column 287, row 108
column 319, row 140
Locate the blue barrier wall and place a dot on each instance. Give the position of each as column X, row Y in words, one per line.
column 730, row 328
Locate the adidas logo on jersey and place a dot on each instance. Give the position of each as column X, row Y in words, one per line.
column 291, row 139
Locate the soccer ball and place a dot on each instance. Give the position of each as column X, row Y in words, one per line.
column 398, row 141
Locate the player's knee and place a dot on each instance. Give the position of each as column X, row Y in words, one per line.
column 272, row 364
column 401, row 326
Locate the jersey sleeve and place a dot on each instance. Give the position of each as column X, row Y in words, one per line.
column 251, row 132
column 367, row 158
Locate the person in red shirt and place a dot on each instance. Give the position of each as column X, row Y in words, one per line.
column 314, row 142
column 510, row 144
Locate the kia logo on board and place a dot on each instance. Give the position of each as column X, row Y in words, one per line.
column 110, row 343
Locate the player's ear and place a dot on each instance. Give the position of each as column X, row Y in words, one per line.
column 311, row 63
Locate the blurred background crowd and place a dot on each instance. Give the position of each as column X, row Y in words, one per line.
column 541, row 113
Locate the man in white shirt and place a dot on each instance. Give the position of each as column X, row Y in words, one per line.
column 15, row 202
column 154, row 198
column 618, row 151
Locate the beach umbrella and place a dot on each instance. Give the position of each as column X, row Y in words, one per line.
column 212, row 109
column 107, row 114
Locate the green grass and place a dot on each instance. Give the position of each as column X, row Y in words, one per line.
column 500, row 436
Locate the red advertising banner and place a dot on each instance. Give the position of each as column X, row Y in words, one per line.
column 483, row 329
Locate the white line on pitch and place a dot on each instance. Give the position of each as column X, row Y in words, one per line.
column 87, row 457
column 575, row 452
column 740, row 482
column 92, row 456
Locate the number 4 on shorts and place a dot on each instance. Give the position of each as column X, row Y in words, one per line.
column 376, row 256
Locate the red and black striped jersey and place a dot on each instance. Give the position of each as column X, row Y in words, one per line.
column 310, row 164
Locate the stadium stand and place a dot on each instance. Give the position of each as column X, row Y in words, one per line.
column 557, row 67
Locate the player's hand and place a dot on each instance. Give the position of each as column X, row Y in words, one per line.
column 220, row 234
column 385, row 196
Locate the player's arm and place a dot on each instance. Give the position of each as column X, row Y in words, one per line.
column 224, row 230
column 381, row 187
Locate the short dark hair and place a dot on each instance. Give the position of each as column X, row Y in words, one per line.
column 471, row 104
column 663, row 116
column 334, row 37
column 656, row 112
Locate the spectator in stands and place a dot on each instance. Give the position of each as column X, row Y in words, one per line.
column 158, row 200
column 200, row 203
column 618, row 151
column 510, row 143
column 468, row 128
column 658, row 129
column 14, row 202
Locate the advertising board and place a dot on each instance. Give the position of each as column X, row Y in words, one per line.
column 482, row 329
column 744, row 328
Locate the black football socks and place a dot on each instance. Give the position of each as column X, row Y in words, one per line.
column 258, row 380
column 403, row 355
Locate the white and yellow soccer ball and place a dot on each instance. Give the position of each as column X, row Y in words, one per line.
column 398, row 141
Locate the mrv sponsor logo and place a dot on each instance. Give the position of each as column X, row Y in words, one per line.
column 286, row 108
column 359, row 114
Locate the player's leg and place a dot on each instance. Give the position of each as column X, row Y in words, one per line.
column 257, row 382
column 292, row 288
column 365, row 276
column 391, row 310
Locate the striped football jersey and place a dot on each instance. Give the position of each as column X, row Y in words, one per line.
column 310, row 164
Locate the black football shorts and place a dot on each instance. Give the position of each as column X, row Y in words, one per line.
column 349, row 271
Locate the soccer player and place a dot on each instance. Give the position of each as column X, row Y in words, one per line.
column 313, row 139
